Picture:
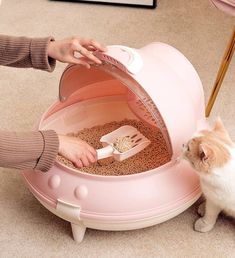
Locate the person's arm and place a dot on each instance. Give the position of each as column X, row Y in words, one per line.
column 38, row 150
column 28, row 150
column 26, row 52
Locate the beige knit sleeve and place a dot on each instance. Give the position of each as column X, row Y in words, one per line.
column 28, row 150
column 26, row 52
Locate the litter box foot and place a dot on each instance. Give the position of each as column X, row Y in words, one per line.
column 78, row 231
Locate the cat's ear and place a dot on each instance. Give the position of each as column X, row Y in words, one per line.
column 219, row 126
column 205, row 152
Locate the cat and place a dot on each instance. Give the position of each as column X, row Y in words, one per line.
column 212, row 154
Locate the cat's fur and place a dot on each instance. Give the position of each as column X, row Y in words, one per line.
column 212, row 154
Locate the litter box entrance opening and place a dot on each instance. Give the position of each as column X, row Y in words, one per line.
column 99, row 100
column 79, row 83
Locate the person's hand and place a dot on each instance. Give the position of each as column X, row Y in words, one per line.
column 77, row 151
column 65, row 51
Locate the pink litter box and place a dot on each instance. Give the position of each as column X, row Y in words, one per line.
column 155, row 84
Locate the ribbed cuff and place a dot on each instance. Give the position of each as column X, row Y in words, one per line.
column 50, row 150
column 39, row 56
column 15, row 51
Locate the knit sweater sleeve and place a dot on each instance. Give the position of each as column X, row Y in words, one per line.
column 28, row 150
column 26, row 52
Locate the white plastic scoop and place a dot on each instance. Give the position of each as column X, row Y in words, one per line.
column 122, row 143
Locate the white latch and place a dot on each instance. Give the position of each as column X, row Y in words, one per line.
column 135, row 62
column 68, row 211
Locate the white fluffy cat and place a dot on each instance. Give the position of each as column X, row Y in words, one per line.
column 212, row 154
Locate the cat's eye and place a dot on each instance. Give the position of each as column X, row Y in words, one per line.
column 186, row 147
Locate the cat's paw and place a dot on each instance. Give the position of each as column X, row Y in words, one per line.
column 201, row 209
column 201, row 226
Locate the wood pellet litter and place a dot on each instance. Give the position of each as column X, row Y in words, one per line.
column 153, row 156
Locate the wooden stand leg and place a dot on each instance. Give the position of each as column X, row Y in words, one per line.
column 221, row 73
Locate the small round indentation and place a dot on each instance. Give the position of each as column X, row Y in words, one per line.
column 54, row 181
column 81, row 192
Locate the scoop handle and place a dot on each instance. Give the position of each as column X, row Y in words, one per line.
column 105, row 152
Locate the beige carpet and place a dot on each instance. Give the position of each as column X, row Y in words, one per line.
column 198, row 30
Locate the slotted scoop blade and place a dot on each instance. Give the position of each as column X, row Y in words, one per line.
column 136, row 142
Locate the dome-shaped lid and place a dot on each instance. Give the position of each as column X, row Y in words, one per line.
column 163, row 88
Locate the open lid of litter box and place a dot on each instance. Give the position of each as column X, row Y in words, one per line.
column 155, row 91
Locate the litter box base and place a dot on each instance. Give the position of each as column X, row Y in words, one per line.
column 79, row 227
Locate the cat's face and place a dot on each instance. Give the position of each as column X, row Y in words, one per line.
column 209, row 149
